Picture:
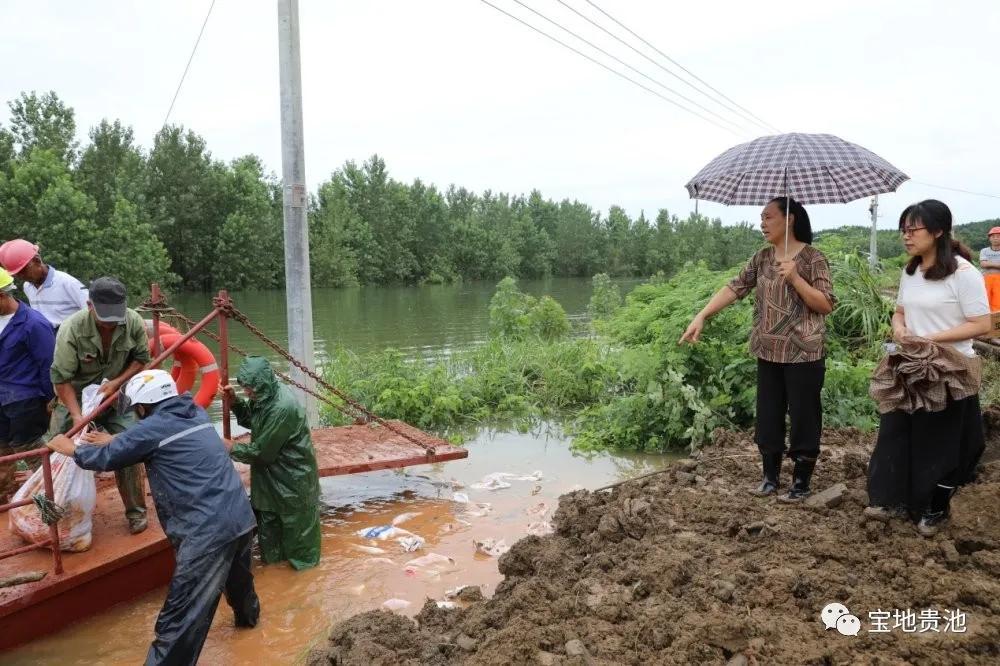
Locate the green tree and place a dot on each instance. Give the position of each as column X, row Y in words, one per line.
column 112, row 167
column 43, row 122
column 41, row 202
column 336, row 232
column 248, row 254
column 189, row 200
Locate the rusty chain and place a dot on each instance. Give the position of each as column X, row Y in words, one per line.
column 360, row 411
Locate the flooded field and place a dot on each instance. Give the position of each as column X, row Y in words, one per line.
column 298, row 608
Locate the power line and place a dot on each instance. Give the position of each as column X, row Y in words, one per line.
column 610, row 69
column 743, row 116
column 628, row 66
column 955, row 189
column 685, row 69
column 188, row 66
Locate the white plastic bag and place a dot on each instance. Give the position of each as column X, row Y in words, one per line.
column 494, row 481
column 491, row 547
column 75, row 492
column 395, row 605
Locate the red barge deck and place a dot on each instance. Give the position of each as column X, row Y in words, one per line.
column 120, row 566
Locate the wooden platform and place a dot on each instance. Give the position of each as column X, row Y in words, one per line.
column 365, row 448
column 120, row 566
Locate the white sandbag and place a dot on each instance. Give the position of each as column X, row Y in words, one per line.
column 75, row 492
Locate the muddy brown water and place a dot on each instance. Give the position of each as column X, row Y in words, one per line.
column 298, row 608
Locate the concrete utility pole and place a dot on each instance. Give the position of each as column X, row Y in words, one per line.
column 873, row 245
column 298, row 296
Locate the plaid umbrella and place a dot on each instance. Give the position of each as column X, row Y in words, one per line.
column 811, row 168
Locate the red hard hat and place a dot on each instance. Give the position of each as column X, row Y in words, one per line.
column 994, row 230
column 15, row 255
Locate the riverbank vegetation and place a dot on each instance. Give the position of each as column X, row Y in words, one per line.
column 176, row 214
column 625, row 384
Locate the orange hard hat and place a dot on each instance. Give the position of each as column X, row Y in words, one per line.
column 15, row 255
column 994, row 230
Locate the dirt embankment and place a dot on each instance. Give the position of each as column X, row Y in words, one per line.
column 686, row 568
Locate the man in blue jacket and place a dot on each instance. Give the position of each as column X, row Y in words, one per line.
column 26, row 344
column 200, row 501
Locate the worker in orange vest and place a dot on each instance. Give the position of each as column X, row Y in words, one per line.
column 989, row 262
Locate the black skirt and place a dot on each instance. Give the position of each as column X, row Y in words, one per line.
column 915, row 452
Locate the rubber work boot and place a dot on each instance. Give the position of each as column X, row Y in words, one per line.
column 801, row 475
column 137, row 523
column 771, row 463
column 937, row 513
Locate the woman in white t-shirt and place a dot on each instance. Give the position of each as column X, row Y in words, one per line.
column 921, row 458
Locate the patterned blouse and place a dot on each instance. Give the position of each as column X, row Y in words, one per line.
column 785, row 330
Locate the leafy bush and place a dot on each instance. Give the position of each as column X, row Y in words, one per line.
column 606, row 298
column 515, row 315
column 503, row 378
column 635, row 388
column 863, row 314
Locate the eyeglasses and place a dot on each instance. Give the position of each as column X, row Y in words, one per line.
column 908, row 231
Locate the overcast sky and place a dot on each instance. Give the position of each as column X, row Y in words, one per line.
column 451, row 91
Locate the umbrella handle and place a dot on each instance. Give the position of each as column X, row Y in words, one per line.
column 788, row 207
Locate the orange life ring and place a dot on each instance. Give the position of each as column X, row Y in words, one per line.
column 183, row 374
column 191, row 358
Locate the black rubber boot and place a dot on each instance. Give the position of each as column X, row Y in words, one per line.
column 771, row 463
column 937, row 513
column 801, row 476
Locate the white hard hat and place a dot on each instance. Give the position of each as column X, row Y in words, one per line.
column 149, row 387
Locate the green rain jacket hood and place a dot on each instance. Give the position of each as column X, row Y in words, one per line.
column 256, row 374
column 284, row 478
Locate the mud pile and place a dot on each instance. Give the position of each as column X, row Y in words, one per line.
column 685, row 567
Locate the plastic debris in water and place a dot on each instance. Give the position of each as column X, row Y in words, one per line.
column 540, row 528
column 383, row 532
column 395, row 604
column 491, row 547
column 494, row 481
column 479, row 509
column 371, row 550
column 447, row 605
column 403, row 517
column 461, row 498
column 431, row 560
column 534, row 476
column 410, row 543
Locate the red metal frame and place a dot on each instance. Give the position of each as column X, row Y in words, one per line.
column 43, row 452
column 53, row 539
column 156, row 300
column 220, row 302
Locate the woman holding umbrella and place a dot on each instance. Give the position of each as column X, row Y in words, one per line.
column 922, row 457
column 794, row 294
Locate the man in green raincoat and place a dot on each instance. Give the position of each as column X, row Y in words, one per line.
column 284, row 479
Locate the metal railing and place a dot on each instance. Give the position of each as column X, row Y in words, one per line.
column 43, row 452
column 50, row 495
column 223, row 309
